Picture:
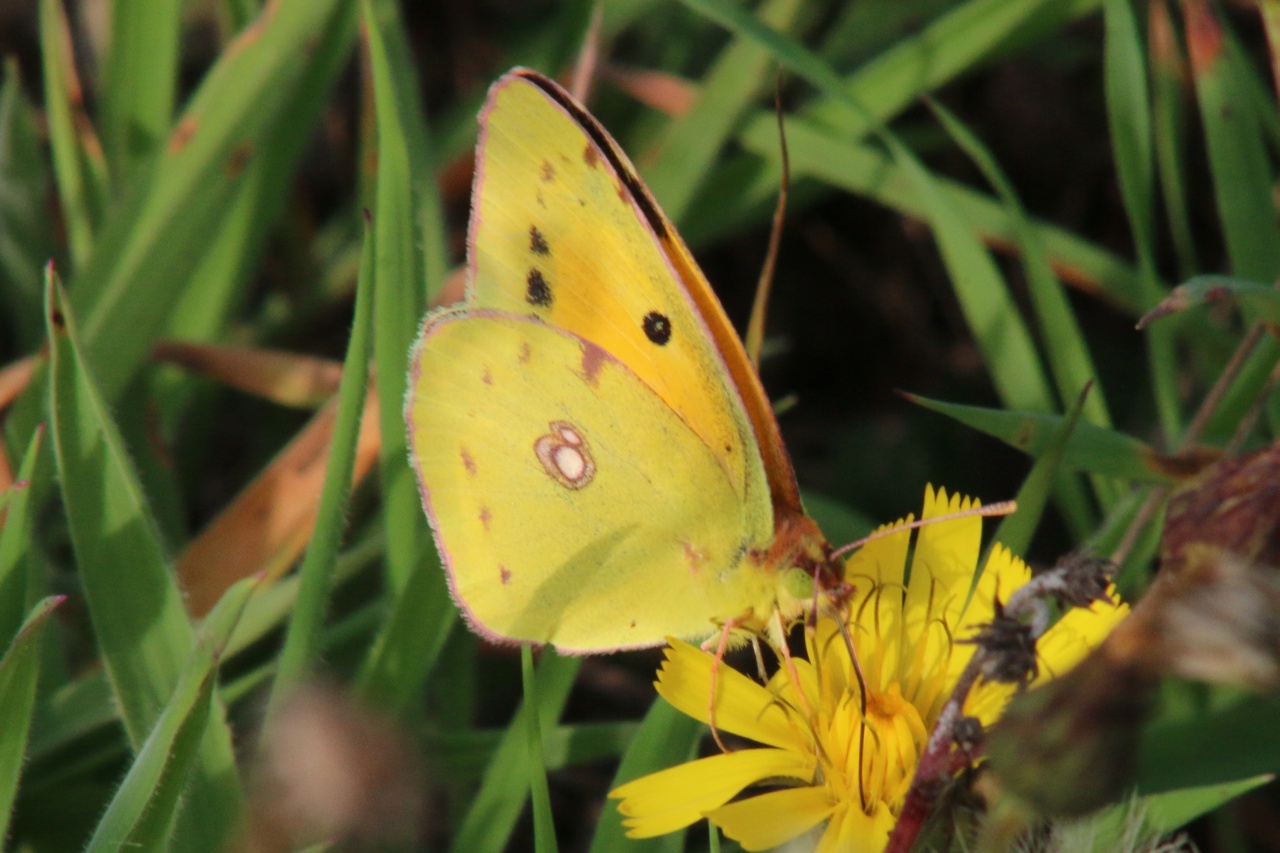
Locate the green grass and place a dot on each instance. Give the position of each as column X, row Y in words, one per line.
column 214, row 176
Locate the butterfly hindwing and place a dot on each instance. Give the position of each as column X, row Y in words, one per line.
column 563, row 491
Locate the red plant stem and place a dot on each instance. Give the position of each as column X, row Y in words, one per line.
column 943, row 758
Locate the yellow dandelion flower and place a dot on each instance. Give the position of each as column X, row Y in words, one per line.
column 828, row 754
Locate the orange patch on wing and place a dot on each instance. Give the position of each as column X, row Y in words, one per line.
column 593, row 358
column 695, row 558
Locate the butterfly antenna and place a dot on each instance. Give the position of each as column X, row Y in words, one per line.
column 584, row 69
column 989, row 511
column 755, row 327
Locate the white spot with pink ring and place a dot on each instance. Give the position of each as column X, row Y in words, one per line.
column 565, row 455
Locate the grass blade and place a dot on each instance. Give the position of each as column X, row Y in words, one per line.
column 1092, row 448
column 410, row 638
column 18, row 670
column 1016, row 531
column 139, row 264
column 26, row 240
column 497, row 805
column 1169, row 131
column 139, row 79
column 544, row 826
column 686, row 153
column 1129, row 117
column 77, row 156
column 142, row 814
column 302, row 642
column 140, row 627
column 398, row 277
column 820, row 154
column 19, row 580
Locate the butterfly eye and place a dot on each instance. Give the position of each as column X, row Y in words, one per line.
column 657, row 327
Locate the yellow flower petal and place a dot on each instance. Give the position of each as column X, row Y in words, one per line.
column 850, row 751
column 852, row 830
column 671, row 799
column 945, row 556
column 1077, row 633
column 742, row 706
column 759, row 823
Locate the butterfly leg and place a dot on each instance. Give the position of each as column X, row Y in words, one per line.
column 784, row 652
column 715, row 671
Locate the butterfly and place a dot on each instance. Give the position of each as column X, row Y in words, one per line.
column 595, row 452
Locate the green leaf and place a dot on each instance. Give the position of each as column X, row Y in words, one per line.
column 144, row 810
column 1015, row 531
column 1256, row 301
column 1091, row 448
column 1218, row 746
column 140, row 627
column 18, row 670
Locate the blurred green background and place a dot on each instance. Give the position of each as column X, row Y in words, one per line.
column 984, row 197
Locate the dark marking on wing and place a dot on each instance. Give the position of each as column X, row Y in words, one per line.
column 593, row 357
column 537, row 292
column 548, row 172
column 591, row 156
column 467, row 462
column 657, row 327
column 601, row 139
column 538, row 243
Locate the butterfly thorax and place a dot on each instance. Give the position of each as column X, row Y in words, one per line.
column 797, row 561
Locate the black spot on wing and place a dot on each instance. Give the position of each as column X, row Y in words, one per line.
column 605, row 145
column 657, row 327
column 538, row 243
column 537, row 291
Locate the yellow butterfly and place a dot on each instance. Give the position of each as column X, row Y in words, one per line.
column 595, row 452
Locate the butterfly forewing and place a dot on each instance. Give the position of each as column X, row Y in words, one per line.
column 557, row 233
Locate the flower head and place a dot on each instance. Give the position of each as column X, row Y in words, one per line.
column 840, row 746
